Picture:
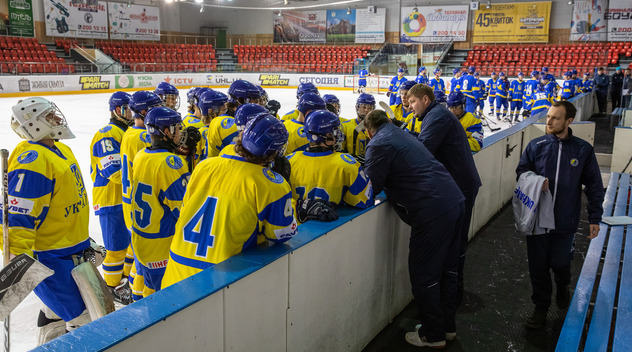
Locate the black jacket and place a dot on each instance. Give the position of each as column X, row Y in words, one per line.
column 617, row 82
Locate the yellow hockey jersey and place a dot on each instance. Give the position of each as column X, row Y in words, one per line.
column 228, row 150
column 292, row 115
column 134, row 140
column 105, row 168
column 221, row 133
column 201, row 150
column 355, row 142
column 414, row 125
column 48, row 202
column 401, row 114
column 297, row 138
column 331, row 176
column 474, row 131
column 223, row 215
column 192, row 120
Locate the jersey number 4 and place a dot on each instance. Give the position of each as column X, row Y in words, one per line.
column 198, row 229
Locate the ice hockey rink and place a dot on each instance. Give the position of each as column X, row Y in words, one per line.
column 87, row 113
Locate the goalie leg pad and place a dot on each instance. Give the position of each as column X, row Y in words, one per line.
column 81, row 320
column 49, row 326
column 93, row 290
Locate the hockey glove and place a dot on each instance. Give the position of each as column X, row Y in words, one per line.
column 316, row 209
column 273, row 107
column 282, row 166
column 388, row 94
column 190, row 137
column 526, row 113
column 397, row 122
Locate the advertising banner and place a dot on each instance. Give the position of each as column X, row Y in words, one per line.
column 135, row 22
column 589, row 22
column 512, row 22
column 370, row 26
column 75, row 19
column 300, row 26
column 21, row 18
column 341, row 25
column 433, row 24
column 619, row 17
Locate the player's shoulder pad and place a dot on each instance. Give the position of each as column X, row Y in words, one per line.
column 174, row 162
column 27, row 157
column 272, row 176
column 348, row 158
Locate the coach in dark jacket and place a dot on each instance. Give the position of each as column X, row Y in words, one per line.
column 602, row 82
column 444, row 136
column 567, row 162
column 425, row 196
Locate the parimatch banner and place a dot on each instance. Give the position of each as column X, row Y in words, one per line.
column 619, row 17
column 512, row 22
column 589, row 20
column 21, row 18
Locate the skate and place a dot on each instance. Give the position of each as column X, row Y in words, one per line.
column 122, row 293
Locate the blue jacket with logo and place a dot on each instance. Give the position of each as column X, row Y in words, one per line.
column 568, row 163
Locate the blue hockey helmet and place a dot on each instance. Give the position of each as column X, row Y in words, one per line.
column 365, row 98
column 534, row 73
column 550, row 77
column 501, row 74
column 264, row 135
column 400, row 70
column 160, row 118
column 119, row 99
column 331, row 99
column 545, row 69
column 241, row 92
column 493, row 73
column 191, row 94
column 456, row 70
column 309, row 102
column 144, row 100
column 307, row 87
column 245, row 112
column 166, row 88
column 574, row 71
column 440, row 96
column 407, row 85
column 471, row 69
column 587, row 74
column 211, row 99
column 436, row 70
column 476, row 74
column 455, row 98
column 263, row 96
column 320, row 123
column 520, row 74
column 169, row 95
column 422, row 69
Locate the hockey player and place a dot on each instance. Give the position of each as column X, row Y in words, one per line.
column 577, row 81
column 297, row 139
column 134, row 140
column 46, row 188
column 422, row 77
column 587, row 84
column 393, row 88
column 191, row 100
column 169, row 95
column 263, row 96
column 541, row 99
column 481, row 95
column 321, row 172
column 455, row 81
column 105, row 171
column 160, row 178
column 403, row 111
column 502, row 92
column 471, row 124
column 544, row 72
column 492, row 84
column 355, row 141
column 568, row 87
column 243, row 114
column 303, row 88
column 516, row 94
column 362, row 80
column 333, row 103
column 469, row 88
column 195, row 118
column 224, row 215
column 437, row 83
column 551, row 85
column 212, row 105
column 529, row 88
column 241, row 92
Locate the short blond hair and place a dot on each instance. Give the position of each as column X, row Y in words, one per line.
column 421, row 90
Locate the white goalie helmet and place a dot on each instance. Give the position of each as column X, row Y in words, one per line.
column 37, row 118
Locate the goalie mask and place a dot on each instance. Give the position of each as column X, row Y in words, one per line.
column 37, row 118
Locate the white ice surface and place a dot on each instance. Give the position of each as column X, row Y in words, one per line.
column 86, row 114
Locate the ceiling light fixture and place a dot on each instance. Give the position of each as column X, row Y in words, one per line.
column 341, row 2
column 201, row 8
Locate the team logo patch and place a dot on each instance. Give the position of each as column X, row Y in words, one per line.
column 27, row 157
column 272, row 176
column 105, row 129
column 348, row 158
column 301, row 132
column 174, row 162
column 145, row 137
column 193, row 121
column 574, row 162
column 228, row 123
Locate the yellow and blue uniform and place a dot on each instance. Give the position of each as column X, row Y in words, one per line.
column 192, row 120
column 501, row 97
column 469, row 88
column 221, row 133
column 297, row 139
column 437, row 85
column 492, row 84
column 292, row 115
column 160, row 180
column 455, row 84
column 568, row 89
column 105, row 171
column 414, row 126
column 480, row 93
column 224, row 215
column 331, row 176
column 541, row 100
column 394, row 89
column 530, row 87
column 401, row 114
column 587, row 86
column 473, row 129
column 355, row 142
column 228, row 150
column 201, row 149
column 362, row 79
column 516, row 93
column 48, row 217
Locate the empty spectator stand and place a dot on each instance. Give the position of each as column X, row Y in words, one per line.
column 599, row 317
column 159, row 57
column 20, row 55
column 584, row 57
column 298, row 58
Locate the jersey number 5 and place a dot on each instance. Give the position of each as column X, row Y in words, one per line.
column 198, row 229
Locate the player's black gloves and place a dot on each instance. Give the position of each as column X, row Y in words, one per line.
column 282, row 166
column 273, row 107
column 190, row 137
column 316, row 209
column 526, row 113
column 397, row 122
column 388, row 94
column 485, row 96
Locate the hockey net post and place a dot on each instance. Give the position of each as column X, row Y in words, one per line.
column 372, row 85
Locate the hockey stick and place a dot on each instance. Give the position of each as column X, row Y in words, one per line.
column 4, row 157
column 390, row 113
